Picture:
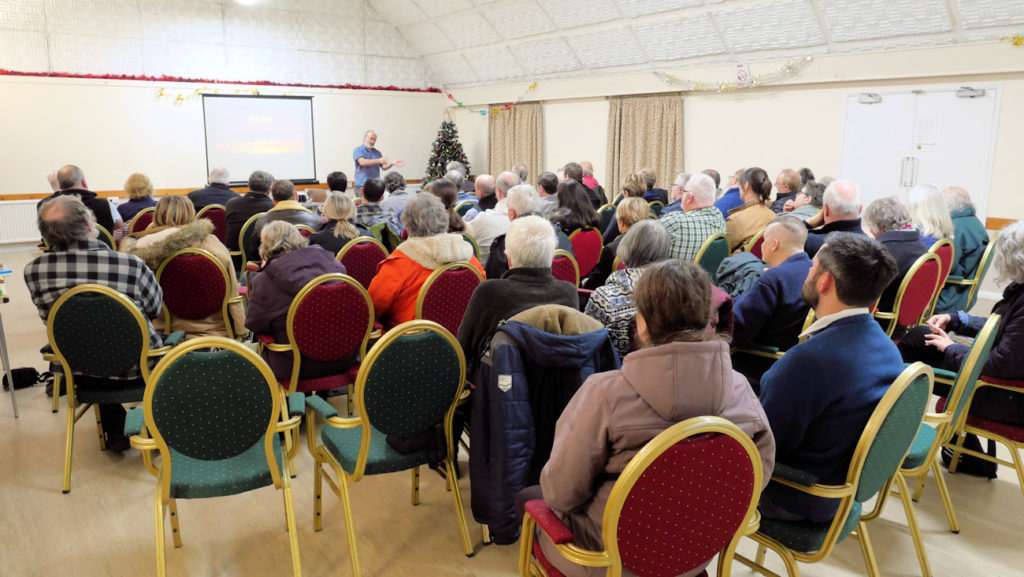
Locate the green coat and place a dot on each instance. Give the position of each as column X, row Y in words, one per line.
column 969, row 242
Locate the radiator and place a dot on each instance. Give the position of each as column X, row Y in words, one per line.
column 18, row 221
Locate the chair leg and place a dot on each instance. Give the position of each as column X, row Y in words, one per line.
column 919, row 485
column 318, row 494
column 486, row 533
column 725, row 558
column 915, row 531
column 175, row 530
column 957, row 451
column 759, row 558
column 1017, row 464
column 289, row 515
column 69, row 442
column 161, row 564
column 866, row 549
column 416, row 485
column 350, row 528
column 940, row 481
column 99, row 427
column 457, row 497
column 56, row 394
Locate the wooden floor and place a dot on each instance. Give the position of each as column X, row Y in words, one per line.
column 105, row 526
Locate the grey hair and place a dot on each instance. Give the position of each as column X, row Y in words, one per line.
column 424, row 215
column 280, row 237
column 506, row 181
column 523, row 199
column 521, row 171
column 928, row 211
column 457, row 166
column 837, row 204
column 886, row 214
column 955, row 200
column 455, row 177
column 681, row 179
column 219, row 175
column 52, row 179
column 646, row 241
column 1009, row 261
column 393, row 181
column 530, row 242
column 64, row 220
column 260, row 181
column 703, row 189
column 69, row 175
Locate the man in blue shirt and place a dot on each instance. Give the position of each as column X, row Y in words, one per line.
column 370, row 161
column 731, row 199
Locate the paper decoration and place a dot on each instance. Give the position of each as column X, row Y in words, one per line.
column 788, row 70
column 493, row 110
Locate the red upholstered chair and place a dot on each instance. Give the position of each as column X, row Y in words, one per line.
column 215, row 214
column 141, row 220
column 586, row 246
column 942, row 248
column 304, row 230
column 361, row 256
column 754, row 244
column 689, row 495
column 445, row 294
column 195, row 285
column 564, row 267
column 915, row 296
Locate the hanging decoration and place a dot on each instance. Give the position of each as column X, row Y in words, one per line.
column 494, row 109
column 1016, row 39
column 786, row 71
column 178, row 98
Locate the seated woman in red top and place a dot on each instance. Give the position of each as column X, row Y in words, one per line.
column 430, row 245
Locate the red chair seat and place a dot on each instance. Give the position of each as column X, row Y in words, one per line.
column 329, row 382
column 1012, row 432
column 548, row 567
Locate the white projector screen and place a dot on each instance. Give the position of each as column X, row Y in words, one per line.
column 271, row 133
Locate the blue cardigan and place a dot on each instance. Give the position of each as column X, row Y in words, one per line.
column 819, row 397
column 773, row 311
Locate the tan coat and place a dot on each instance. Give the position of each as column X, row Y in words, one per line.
column 746, row 221
column 154, row 245
column 614, row 414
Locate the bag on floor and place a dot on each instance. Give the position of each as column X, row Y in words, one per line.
column 23, row 378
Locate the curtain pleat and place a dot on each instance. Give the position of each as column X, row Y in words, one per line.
column 516, row 135
column 644, row 131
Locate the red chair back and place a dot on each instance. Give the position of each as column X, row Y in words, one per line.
column 215, row 214
column 755, row 246
column 445, row 295
column 586, row 246
column 330, row 318
column 195, row 286
column 142, row 220
column 917, row 291
column 304, row 230
column 564, row 267
column 361, row 257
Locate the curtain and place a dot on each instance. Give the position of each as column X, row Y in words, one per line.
column 516, row 135
column 644, row 132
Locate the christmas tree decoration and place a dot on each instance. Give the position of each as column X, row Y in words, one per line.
column 447, row 148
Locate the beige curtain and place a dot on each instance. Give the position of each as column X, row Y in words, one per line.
column 516, row 135
column 644, row 131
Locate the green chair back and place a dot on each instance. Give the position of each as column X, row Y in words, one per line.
column 607, row 213
column 711, row 255
column 461, row 208
column 415, row 372
column 656, row 207
column 105, row 237
column 986, row 261
column 970, row 370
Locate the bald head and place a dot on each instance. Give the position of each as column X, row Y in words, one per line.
column 64, row 220
column 70, row 176
column 370, row 138
column 957, row 198
column 841, row 201
column 506, row 181
column 484, row 185
column 783, row 237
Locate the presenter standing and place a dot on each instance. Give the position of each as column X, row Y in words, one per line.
column 370, row 161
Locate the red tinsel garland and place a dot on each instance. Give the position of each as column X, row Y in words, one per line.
column 164, row 78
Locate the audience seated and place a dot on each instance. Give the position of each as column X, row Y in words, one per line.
column 340, row 227
column 682, row 372
column 174, row 228
column 486, row 193
column 634, row 187
column 338, row 182
column 808, row 202
column 840, row 213
column 216, row 192
column 675, row 194
column 466, row 185
column 521, row 171
column 446, row 191
column 139, row 189
column 731, row 199
column 547, row 188
column 821, row 393
column 589, row 180
column 529, row 247
column 969, row 243
column 652, row 194
column 430, row 245
column 238, row 210
column 71, row 181
column 397, row 195
column 288, row 264
column 370, row 211
column 574, row 171
column 493, row 222
column 629, row 212
column 76, row 257
column 888, row 221
column 787, row 185
column 747, row 220
column 929, row 214
column 698, row 221
column 522, row 200
column 613, row 304
column 931, row 343
column 286, row 208
column 574, row 210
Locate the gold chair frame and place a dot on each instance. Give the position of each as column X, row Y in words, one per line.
column 808, row 321
column 286, row 426
column 228, row 300
column 436, row 275
column 308, row 229
column 610, row 557
column 131, row 223
column 472, row 241
column 207, row 208
column 707, row 245
column 564, row 253
column 242, row 249
column 104, row 236
column 340, row 483
column 893, row 316
column 979, row 275
column 357, row 241
column 934, row 249
column 463, row 203
column 749, row 245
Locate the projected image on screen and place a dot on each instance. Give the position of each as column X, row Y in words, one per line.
column 271, row 133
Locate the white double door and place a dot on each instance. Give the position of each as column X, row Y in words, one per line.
column 927, row 136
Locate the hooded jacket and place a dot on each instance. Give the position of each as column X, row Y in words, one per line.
column 400, row 276
column 99, row 206
column 615, row 414
column 156, row 244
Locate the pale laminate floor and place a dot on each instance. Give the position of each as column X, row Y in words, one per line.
column 104, row 527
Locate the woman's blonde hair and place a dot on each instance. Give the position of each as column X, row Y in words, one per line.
column 174, row 211
column 635, row 185
column 632, row 210
column 928, row 210
column 138, row 186
column 341, row 208
column 280, row 237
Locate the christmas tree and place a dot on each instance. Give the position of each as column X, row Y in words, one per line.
column 446, row 149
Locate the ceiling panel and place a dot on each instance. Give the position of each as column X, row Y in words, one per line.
column 637, row 8
column 867, row 19
column 468, row 29
column 427, row 39
column 435, row 8
column 493, row 63
column 979, row 13
column 546, row 57
column 615, row 47
column 571, row 14
column 679, row 39
column 451, row 69
column 770, row 26
column 519, row 18
column 399, row 12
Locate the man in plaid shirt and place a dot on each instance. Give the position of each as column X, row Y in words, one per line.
column 698, row 220
column 75, row 258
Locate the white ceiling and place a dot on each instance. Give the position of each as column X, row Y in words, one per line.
column 480, row 42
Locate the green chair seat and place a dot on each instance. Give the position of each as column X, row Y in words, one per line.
column 108, row 394
column 807, row 536
column 198, row 479
column 919, row 450
column 343, row 444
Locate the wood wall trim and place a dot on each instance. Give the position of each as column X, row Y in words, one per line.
column 998, row 223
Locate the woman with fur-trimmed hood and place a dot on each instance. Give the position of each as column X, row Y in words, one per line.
column 430, row 245
column 175, row 227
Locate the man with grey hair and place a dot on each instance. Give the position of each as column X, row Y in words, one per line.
column 969, row 242
column 675, row 194
column 787, row 185
column 528, row 283
column 216, row 192
column 487, row 225
column 840, row 212
column 889, row 222
column 486, row 196
column 467, row 184
column 397, row 195
column 698, row 220
column 370, row 161
column 71, row 181
column 521, row 171
column 522, row 200
column 459, row 180
column 76, row 257
column 240, row 209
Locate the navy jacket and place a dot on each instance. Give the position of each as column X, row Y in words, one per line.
column 906, row 247
column 816, row 236
column 773, row 311
column 522, row 385
column 216, row 193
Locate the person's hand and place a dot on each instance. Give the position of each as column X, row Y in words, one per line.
column 789, row 206
column 938, row 339
column 938, row 323
column 384, row 160
column 398, row 163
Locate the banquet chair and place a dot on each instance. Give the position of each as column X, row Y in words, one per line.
column 915, row 296
column 361, row 256
column 444, row 296
column 196, row 285
column 216, row 214
column 586, row 247
column 711, row 254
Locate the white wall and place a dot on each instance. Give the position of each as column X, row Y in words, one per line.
column 113, row 128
